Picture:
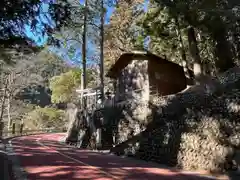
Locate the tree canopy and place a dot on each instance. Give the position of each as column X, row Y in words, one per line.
column 15, row 15
column 163, row 27
column 63, row 86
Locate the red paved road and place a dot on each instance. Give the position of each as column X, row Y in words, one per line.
column 43, row 158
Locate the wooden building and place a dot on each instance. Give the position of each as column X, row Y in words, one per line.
column 139, row 74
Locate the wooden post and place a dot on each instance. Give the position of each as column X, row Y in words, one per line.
column 13, row 128
column 21, row 128
column 1, row 129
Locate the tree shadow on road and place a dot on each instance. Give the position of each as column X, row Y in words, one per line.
column 60, row 162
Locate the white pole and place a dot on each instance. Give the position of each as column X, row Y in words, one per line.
column 81, row 94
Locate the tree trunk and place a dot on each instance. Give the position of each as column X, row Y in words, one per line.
column 101, row 50
column 3, row 103
column 194, row 51
column 2, row 110
column 71, row 114
column 223, row 51
column 84, row 45
column 8, row 113
column 183, row 54
column 218, row 31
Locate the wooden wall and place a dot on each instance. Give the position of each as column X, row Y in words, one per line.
column 166, row 78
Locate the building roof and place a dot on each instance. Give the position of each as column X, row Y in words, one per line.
column 127, row 57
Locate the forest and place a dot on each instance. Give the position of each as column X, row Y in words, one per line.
column 48, row 49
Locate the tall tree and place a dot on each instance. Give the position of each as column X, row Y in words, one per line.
column 17, row 78
column 21, row 81
column 122, row 32
column 84, row 44
column 48, row 64
column 81, row 33
column 102, row 49
column 212, row 19
column 63, row 86
column 167, row 34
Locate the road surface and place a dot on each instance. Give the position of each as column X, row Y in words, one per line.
column 43, row 158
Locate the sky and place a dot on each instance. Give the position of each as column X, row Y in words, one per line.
column 39, row 39
column 37, row 36
column 45, row 18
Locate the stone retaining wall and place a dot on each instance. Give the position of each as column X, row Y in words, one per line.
column 198, row 129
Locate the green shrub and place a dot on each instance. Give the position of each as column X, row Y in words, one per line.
column 46, row 118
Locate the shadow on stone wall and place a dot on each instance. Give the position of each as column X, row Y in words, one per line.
column 197, row 129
